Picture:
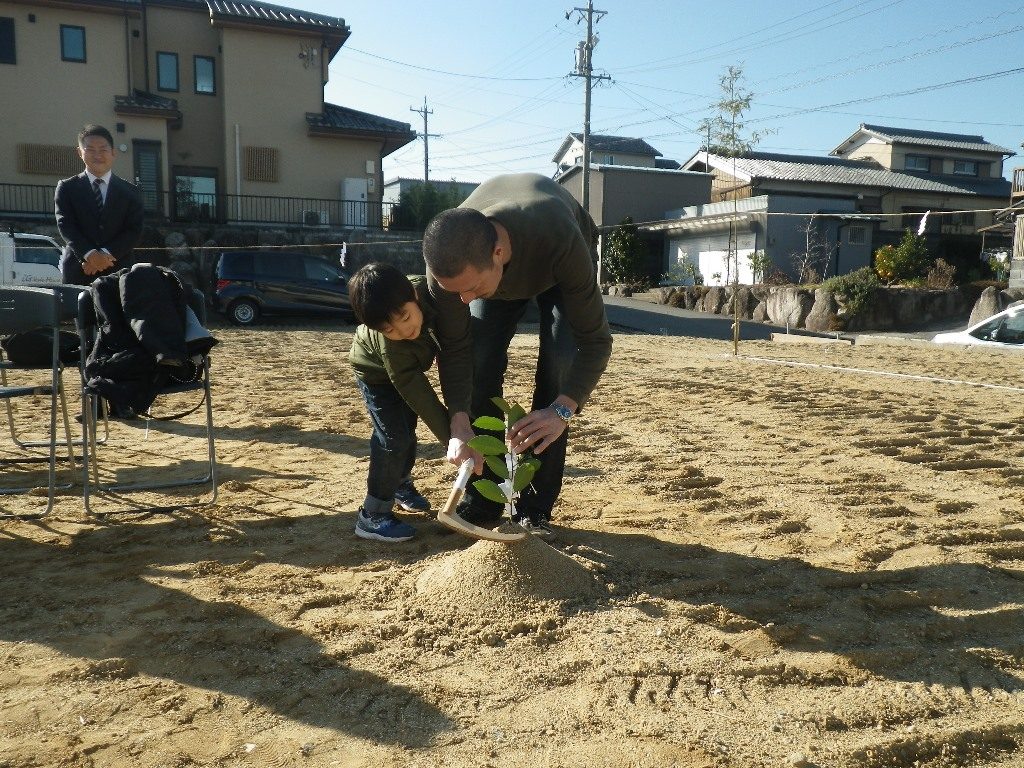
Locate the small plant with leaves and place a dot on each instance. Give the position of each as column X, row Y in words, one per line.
column 515, row 471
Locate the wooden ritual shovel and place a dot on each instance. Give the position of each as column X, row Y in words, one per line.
column 447, row 516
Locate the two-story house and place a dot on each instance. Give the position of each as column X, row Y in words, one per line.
column 876, row 184
column 215, row 107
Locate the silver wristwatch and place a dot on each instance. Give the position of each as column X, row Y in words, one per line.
column 563, row 413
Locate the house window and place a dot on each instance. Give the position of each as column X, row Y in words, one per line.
column 72, row 43
column 7, row 41
column 195, row 194
column 261, row 164
column 205, row 79
column 917, row 163
column 609, row 159
column 857, row 235
column 965, row 167
column 166, row 71
column 964, row 219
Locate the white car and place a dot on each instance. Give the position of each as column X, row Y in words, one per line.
column 1005, row 329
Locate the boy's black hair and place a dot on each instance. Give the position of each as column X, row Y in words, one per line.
column 95, row 130
column 378, row 291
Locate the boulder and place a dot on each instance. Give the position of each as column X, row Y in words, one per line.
column 824, row 314
column 986, row 306
column 788, row 305
column 760, row 312
column 712, row 300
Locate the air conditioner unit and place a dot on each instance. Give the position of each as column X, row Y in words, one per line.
column 315, row 219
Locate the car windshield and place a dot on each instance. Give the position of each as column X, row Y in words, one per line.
column 1005, row 329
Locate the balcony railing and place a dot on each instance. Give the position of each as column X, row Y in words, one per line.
column 30, row 201
column 1017, row 191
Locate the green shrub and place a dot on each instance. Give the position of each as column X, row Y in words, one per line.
column 625, row 256
column 906, row 261
column 683, row 273
column 857, row 289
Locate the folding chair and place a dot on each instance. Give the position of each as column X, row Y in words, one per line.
column 93, row 405
column 25, row 308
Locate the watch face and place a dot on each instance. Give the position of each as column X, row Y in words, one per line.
column 563, row 412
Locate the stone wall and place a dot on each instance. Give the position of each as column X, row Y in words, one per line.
column 818, row 309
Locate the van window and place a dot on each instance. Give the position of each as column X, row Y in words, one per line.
column 272, row 264
column 318, row 269
column 36, row 252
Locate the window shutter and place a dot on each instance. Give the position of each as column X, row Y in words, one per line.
column 261, row 163
column 49, row 159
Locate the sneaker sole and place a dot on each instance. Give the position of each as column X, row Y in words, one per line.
column 411, row 508
column 378, row 537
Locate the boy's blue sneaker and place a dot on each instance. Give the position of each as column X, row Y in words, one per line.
column 411, row 500
column 384, row 528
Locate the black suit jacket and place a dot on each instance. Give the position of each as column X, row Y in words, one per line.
column 118, row 228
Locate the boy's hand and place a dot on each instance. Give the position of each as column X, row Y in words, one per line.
column 458, row 451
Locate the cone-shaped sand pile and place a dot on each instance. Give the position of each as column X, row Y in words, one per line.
column 504, row 582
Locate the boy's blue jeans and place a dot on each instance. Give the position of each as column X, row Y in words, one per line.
column 392, row 446
column 494, row 323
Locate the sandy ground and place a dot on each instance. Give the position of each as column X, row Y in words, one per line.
column 757, row 565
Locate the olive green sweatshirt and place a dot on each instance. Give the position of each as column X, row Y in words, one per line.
column 551, row 238
column 379, row 360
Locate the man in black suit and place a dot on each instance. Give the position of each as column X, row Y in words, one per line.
column 99, row 215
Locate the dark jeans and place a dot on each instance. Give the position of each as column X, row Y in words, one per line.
column 494, row 323
column 392, row 445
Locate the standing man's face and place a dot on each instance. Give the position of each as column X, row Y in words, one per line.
column 97, row 154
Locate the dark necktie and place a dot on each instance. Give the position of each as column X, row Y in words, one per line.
column 97, row 190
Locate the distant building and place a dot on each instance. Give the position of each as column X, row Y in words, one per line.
column 394, row 188
column 606, row 150
column 878, row 170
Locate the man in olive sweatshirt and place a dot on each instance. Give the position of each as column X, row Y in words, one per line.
column 392, row 349
column 516, row 237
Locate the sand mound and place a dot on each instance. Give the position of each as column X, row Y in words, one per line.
column 502, row 583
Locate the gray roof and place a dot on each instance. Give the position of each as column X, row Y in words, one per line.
column 958, row 141
column 601, row 143
column 265, row 12
column 859, row 173
column 343, row 121
column 143, row 103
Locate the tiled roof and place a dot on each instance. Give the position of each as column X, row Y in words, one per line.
column 958, row 141
column 861, row 173
column 599, row 143
column 265, row 12
column 142, row 102
column 337, row 120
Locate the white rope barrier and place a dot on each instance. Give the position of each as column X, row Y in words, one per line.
column 915, row 377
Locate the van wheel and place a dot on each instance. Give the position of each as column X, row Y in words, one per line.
column 243, row 312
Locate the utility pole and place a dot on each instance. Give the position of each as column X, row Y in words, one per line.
column 426, row 136
column 584, row 69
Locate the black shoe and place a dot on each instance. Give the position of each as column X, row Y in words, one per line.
column 124, row 412
column 486, row 516
column 536, row 524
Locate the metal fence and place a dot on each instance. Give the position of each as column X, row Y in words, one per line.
column 36, row 201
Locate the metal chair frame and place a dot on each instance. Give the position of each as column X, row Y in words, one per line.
column 24, row 308
column 91, row 408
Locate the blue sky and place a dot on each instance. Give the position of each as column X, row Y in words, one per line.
column 495, row 74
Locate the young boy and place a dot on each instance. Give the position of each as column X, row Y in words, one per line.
column 393, row 348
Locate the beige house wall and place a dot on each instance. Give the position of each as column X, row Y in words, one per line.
column 258, row 64
column 41, row 77
column 872, row 149
column 199, row 142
